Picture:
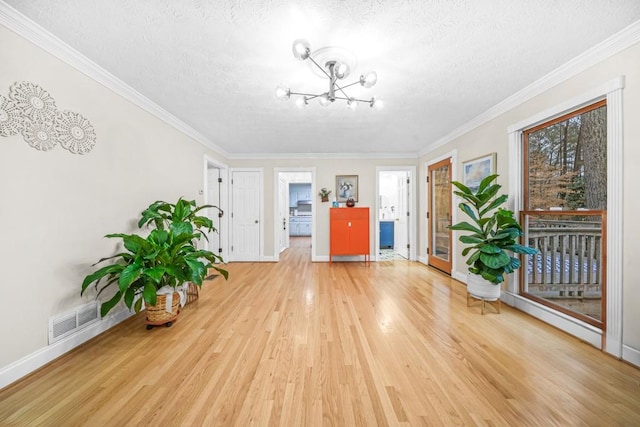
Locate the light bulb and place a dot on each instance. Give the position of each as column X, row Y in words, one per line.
column 352, row 104
column 369, row 79
column 302, row 102
column 282, row 93
column 301, row 49
column 376, row 103
column 341, row 70
column 324, row 100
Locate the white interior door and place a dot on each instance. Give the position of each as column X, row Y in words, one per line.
column 214, row 198
column 401, row 229
column 245, row 215
column 283, row 203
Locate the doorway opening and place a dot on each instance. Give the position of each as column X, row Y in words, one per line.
column 216, row 193
column 294, row 209
column 394, row 213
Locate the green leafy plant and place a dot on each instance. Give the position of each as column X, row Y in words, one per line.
column 161, row 214
column 166, row 257
column 324, row 193
column 494, row 231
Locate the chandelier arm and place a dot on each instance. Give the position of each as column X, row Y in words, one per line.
column 344, row 87
column 368, row 101
column 321, row 69
column 311, row 95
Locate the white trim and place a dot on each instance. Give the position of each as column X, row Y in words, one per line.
column 615, row 224
column 413, row 210
column 224, row 200
column 316, row 156
column 631, row 355
column 616, row 43
column 26, row 28
column 423, row 260
column 44, row 355
column 571, row 325
column 573, row 104
column 459, row 276
column 612, row 90
column 276, row 205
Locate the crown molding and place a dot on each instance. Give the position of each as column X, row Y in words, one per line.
column 316, row 156
column 36, row 34
column 623, row 39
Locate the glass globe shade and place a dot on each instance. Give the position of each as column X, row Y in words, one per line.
column 301, row 49
column 377, row 103
column 324, row 100
column 369, row 79
column 341, row 70
column 301, row 102
column 352, row 104
column 282, row 93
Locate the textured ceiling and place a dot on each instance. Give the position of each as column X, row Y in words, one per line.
column 215, row 63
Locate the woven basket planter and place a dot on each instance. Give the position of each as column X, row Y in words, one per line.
column 158, row 315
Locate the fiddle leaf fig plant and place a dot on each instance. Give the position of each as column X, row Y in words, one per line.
column 494, row 231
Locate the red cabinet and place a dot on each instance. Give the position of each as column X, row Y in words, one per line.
column 349, row 232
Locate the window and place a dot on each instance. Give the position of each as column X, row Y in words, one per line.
column 564, row 216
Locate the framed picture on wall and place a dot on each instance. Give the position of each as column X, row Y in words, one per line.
column 346, row 187
column 475, row 170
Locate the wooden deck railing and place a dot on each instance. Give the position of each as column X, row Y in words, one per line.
column 569, row 262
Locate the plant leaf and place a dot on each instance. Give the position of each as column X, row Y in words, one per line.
column 107, row 306
column 495, row 261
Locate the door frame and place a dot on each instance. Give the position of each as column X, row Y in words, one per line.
column 224, row 202
column 440, row 264
column 260, row 207
column 412, row 201
column 453, row 154
column 276, row 206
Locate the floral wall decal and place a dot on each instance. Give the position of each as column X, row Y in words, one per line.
column 31, row 111
column 40, row 135
column 35, row 102
column 74, row 132
column 11, row 120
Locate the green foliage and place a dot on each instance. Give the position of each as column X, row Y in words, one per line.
column 168, row 256
column 494, row 231
column 161, row 214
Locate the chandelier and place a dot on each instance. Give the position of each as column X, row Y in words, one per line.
column 336, row 64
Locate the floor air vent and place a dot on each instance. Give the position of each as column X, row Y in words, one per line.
column 66, row 324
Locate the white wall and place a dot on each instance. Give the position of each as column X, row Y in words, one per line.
column 55, row 207
column 326, row 171
column 492, row 137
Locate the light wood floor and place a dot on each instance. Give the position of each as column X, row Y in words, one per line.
column 304, row 344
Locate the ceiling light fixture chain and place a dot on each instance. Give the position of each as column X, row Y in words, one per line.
column 338, row 64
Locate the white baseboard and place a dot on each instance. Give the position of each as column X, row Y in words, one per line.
column 460, row 277
column 269, row 259
column 570, row 325
column 41, row 357
column 631, row 355
column 423, row 260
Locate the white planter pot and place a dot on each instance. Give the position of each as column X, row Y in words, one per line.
column 482, row 289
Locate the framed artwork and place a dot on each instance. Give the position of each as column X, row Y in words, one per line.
column 475, row 170
column 346, row 187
